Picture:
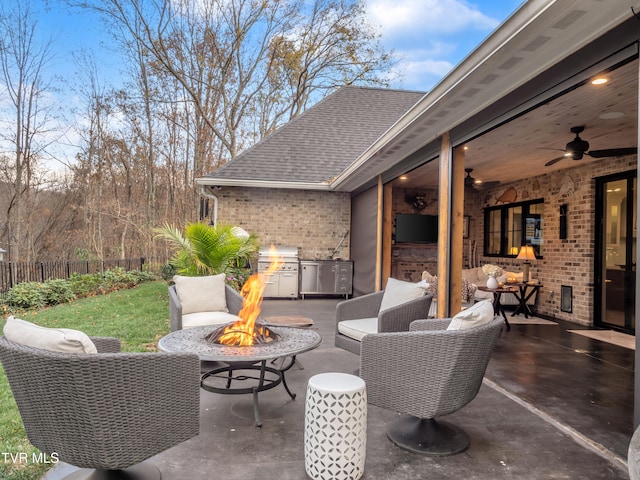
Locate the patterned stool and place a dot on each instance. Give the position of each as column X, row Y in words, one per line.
column 335, row 427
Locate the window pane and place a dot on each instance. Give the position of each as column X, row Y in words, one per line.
column 514, row 230
column 494, row 232
column 534, row 227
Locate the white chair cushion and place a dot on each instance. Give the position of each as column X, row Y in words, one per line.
column 358, row 328
column 201, row 294
column 474, row 316
column 199, row 319
column 398, row 292
column 63, row 340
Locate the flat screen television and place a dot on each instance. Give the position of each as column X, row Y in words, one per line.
column 414, row 228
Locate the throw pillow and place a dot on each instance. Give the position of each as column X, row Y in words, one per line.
column 201, row 294
column 63, row 340
column 432, row 284
column 474, row 316
column 398, row 292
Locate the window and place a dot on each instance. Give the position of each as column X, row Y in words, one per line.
column 508, row 227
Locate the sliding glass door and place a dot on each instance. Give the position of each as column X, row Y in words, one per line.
column 616, row 252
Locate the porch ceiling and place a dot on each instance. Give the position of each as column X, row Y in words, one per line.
column 522, row 146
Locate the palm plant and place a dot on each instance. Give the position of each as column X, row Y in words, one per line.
column 207, row 249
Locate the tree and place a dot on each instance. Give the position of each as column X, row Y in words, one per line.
column 249, row 66
column 23, row 60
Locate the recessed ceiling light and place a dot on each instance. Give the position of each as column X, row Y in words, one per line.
column 599, row 81
column 611, row 115
column 403, row 177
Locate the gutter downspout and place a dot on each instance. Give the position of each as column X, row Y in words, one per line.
column 204, row 192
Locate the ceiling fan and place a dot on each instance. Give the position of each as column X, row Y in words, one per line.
column 578, row 147
column 471, row 183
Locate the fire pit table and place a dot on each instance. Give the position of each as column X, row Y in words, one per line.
column 290, row 342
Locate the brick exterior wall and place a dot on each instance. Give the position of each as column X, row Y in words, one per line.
column 313, row 221
column 566, row 262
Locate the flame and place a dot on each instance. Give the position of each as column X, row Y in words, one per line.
column 243, row 331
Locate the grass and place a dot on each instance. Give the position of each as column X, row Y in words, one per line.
column 139, row 317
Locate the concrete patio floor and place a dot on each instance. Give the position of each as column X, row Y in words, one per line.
column 554, row 405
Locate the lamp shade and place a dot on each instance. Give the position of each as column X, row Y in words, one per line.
column 526, row 253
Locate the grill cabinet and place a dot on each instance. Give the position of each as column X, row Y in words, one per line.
column 284, row 282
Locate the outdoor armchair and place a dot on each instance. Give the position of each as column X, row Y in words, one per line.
column 426, row 373
column 202, row 301
column 108, row 410
column 359, row 316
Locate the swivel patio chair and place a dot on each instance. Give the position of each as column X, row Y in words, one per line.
column 377, row 312
column 104, row 412
column 199, row 301
column 426, row 373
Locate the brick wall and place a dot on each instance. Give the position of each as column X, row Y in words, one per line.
column 566, row 262
column 315, row 222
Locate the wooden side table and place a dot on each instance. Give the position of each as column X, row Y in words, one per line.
column 498, row 309
column 524, row 293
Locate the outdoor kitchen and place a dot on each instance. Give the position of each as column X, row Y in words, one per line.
column 300, row 277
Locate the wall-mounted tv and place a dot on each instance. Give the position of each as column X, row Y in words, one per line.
column 414, row 228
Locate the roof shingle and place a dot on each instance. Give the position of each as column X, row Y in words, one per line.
column 323, row 141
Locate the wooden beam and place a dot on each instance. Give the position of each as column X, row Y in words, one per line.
column 450, row 217
column 444, row 230
column 379, row 218
column 387, row 232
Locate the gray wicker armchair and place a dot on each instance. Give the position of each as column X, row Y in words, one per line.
column 107, row 411
column 395, row 319
column 234, row 304
column 425, row 373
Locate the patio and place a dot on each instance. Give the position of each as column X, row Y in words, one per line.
column 554, row 405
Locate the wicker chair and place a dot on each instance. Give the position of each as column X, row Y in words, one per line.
column 234, row 304
column 425, row 373
column 107, row 411
column 395, row 319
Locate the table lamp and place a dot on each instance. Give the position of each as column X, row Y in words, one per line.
column 527, row 254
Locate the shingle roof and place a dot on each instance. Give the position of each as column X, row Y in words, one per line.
column 323, row 141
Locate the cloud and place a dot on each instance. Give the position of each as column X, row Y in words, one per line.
column 432, row 17
column 420, row 73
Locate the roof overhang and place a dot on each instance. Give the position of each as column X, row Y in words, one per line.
column 535, row 38
column 235, row 182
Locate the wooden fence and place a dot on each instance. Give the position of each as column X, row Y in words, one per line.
column 12, row 273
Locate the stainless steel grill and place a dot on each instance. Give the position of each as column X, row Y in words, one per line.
column 284, row 282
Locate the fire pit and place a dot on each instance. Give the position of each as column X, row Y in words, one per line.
column 291, row 341
column 245, row 344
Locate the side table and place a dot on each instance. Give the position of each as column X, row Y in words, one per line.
column 524, row 293
column 498, row 309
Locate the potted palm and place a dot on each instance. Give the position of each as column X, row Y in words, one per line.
column 209, row 250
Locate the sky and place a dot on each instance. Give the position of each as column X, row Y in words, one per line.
column 428, row 37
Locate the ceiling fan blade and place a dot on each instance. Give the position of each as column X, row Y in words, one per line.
column 612, row 152
column 488, row 184
column 554, row 161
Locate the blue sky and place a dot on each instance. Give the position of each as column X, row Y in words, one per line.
column 429, row 37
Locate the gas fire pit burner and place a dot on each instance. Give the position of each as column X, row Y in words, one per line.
column 291, row 341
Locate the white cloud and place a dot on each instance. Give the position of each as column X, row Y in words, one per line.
column 401, row 17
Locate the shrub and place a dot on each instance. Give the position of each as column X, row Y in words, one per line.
column 26, row 295
column 57, row 291
column 236, row 277
column 84, row 285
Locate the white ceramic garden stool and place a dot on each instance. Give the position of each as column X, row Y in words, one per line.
column 335, row 427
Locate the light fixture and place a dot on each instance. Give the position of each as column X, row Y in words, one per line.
column 599, row 81
column 527, row 254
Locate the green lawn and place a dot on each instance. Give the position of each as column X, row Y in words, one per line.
column 138, row 317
